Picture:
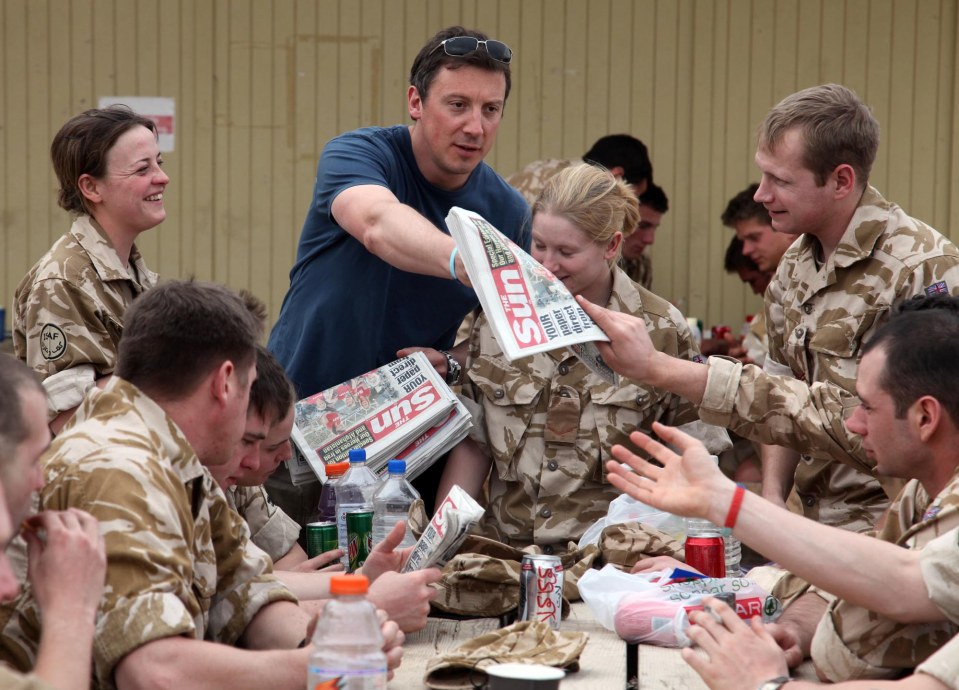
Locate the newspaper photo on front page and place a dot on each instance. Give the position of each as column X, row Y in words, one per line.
column 403, row 409
column 528, row 308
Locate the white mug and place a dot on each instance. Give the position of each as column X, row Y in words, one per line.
column 523, row 677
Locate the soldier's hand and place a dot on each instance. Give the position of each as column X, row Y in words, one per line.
column 393, row 639
column 326, row 562
column 629, row 351
column 691, row 485
column 435, row 357
column 731, row 655
column 406, row 597
column 654, row 563
column 67, row 563
column 385, row 557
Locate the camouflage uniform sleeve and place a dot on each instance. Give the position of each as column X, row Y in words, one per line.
column 245, row 582
column 944, row 665
column 781, row 410
column 852, row 642
column 271, row 529
column 62, row 330
column 939, row 562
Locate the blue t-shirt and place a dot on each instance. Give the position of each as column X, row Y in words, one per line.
column 347, row 311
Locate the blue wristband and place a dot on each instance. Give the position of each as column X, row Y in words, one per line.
column 453, row 263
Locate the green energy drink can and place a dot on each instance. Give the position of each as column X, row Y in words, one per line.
column 359, row 537
column 320, row 538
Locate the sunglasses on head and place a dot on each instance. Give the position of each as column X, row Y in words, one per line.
column 458, row 46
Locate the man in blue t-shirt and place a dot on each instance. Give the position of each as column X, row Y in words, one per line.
column 375, row 270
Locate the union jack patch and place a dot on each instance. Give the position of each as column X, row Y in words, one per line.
column 939, row 288
column 931, row 512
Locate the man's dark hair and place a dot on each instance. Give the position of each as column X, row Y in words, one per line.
column 81, row 147
column 655, row 198
column 176, row 333
column 271, row 394
column 744, row 207
column 432, row 57
column 15, row 377
column 921, row 342
column 622, row 151
column 735, row 259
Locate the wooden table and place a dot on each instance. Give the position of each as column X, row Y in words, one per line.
column 602, row 664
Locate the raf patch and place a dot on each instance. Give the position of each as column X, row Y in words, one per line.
column 939, row 288
column 53, row 342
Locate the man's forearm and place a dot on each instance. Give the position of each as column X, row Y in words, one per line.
column 779, row 470
column 64, row 658
column 179, row 662
column 280, row 625
column 855, row 567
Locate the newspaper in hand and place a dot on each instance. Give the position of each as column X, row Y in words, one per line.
column 445, row 532
column 402, row 409
column 528, row 308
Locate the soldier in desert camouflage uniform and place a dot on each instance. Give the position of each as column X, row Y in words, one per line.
column 860, row 256
column 266, row 443
column 69, row 308
column 68, row 565
column 624, row 156
column 181, row 572
column 894, row 603
column 653, row 205
column 548, row 422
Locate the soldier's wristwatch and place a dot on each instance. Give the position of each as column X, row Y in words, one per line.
column 453, row 369
column 775, row 683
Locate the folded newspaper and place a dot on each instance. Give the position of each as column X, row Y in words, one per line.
column 528, row 308
column 403, row 409
column 444, row 533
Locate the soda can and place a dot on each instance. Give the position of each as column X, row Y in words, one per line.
column 359, row 537
column 320, row 538
column 541, row 590
column 707, row 554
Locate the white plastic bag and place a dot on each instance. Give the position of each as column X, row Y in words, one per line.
column 650, row 608
column 625, row 508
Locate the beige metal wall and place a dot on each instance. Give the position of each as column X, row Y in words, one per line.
column 260, row 85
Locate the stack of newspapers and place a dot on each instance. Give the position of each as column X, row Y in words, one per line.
column 528, row 308
column 403, row 409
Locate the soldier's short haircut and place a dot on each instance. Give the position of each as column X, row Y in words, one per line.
column 655, row 198
column 622, row 151
column 432, row 58
column 836, row 128
column 919, row 341
column 591, row 199
column 271, row 394
column 744, row 207
column 15, row 378
column 178, row 332
column 81, row 147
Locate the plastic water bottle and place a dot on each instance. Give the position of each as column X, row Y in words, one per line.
column 347, row 644
column 354, row 491
column 326, row 506
column 734, row 553
column 391, row 503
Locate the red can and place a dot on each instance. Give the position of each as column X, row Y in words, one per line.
column 707, row 554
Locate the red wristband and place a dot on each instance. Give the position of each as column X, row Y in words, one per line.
column 734, row 506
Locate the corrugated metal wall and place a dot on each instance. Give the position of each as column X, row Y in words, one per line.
column 260, row 85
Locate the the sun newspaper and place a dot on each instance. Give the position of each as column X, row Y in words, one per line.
column 403, row 409
column 528, row 308
column 447, row 529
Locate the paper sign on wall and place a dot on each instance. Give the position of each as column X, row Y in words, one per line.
column 160, row 110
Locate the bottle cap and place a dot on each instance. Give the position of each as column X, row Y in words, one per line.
column 358, row 455
column 396, row 467
column 349, row 584
column 336, row 469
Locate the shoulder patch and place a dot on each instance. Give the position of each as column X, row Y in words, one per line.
column 53, row 341
column 939, row 288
